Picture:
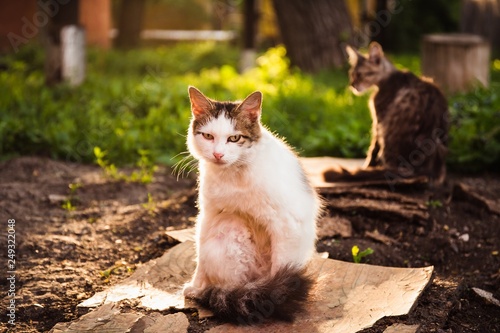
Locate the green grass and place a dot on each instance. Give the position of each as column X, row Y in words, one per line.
column 135, row 103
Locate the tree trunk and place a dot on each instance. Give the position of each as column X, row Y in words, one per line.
column 482, row 17
column 220, row 12
column 95, row 16
column 250, row 17
column 249, row 27
column 381, row 36
column 60, row 16
column 130, row 19
column 314, row 31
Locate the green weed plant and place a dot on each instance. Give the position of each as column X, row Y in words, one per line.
column 69, row 204
column 358, row 255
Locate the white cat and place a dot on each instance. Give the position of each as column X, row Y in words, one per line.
column 256, row 227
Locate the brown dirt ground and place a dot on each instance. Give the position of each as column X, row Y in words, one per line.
column 61, row 254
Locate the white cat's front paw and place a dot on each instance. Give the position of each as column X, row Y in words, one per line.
column 191, row 291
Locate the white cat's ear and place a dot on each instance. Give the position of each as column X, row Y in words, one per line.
column 252, row 106
column 352, row 55
column 375, row 53
column 199, row 103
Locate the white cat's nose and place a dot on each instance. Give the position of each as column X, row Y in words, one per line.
column 218, row 156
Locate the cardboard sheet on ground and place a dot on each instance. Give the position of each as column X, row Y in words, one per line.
column 348, row 296
column 109, row 318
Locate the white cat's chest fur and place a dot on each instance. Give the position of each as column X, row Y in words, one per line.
column 262, row 188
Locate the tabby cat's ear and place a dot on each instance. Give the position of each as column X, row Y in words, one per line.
column 352, row 55
column 375, row 53
column 199, row 103
column 251, row 106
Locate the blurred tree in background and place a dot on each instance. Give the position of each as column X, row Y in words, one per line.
column 482, row 17
column 64, row 16
column 313, row 32
column 404, row 29
column 130, row 22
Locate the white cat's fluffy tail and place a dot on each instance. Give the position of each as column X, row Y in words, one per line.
column 280, row 297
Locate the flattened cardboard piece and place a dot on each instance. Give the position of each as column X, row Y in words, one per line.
column 157, row 284
column 183, row 234
column 402, row 328
column 173, row 323
column 108, row 318
column 348, row 297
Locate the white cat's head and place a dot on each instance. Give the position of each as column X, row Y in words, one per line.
column 222, row 133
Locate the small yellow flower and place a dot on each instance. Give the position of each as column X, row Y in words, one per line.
column 355, row 250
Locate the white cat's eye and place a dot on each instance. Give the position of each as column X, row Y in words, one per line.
column 207, row 136
column 234, row 138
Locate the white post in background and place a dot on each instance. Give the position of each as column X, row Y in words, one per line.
column 247, row 59
column 73, row 54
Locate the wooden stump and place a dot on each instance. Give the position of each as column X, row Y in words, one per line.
column 456, row 62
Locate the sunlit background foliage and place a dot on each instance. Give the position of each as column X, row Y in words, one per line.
column 137, row 100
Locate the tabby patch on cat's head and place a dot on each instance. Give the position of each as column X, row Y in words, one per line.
column 367, row 70
column 222, row 130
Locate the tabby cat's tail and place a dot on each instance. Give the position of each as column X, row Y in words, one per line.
column 391, row 177
column 280, row 297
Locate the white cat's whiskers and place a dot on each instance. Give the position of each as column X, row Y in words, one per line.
column 185, row 166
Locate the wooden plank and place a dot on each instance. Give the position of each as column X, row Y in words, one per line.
column 361, row 198
column 468, row 193
column 216, row 35
column 389, row 209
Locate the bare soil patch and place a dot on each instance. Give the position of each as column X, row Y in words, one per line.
column 63, row 257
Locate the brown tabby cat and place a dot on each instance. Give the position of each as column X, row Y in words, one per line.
column 410, row 126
